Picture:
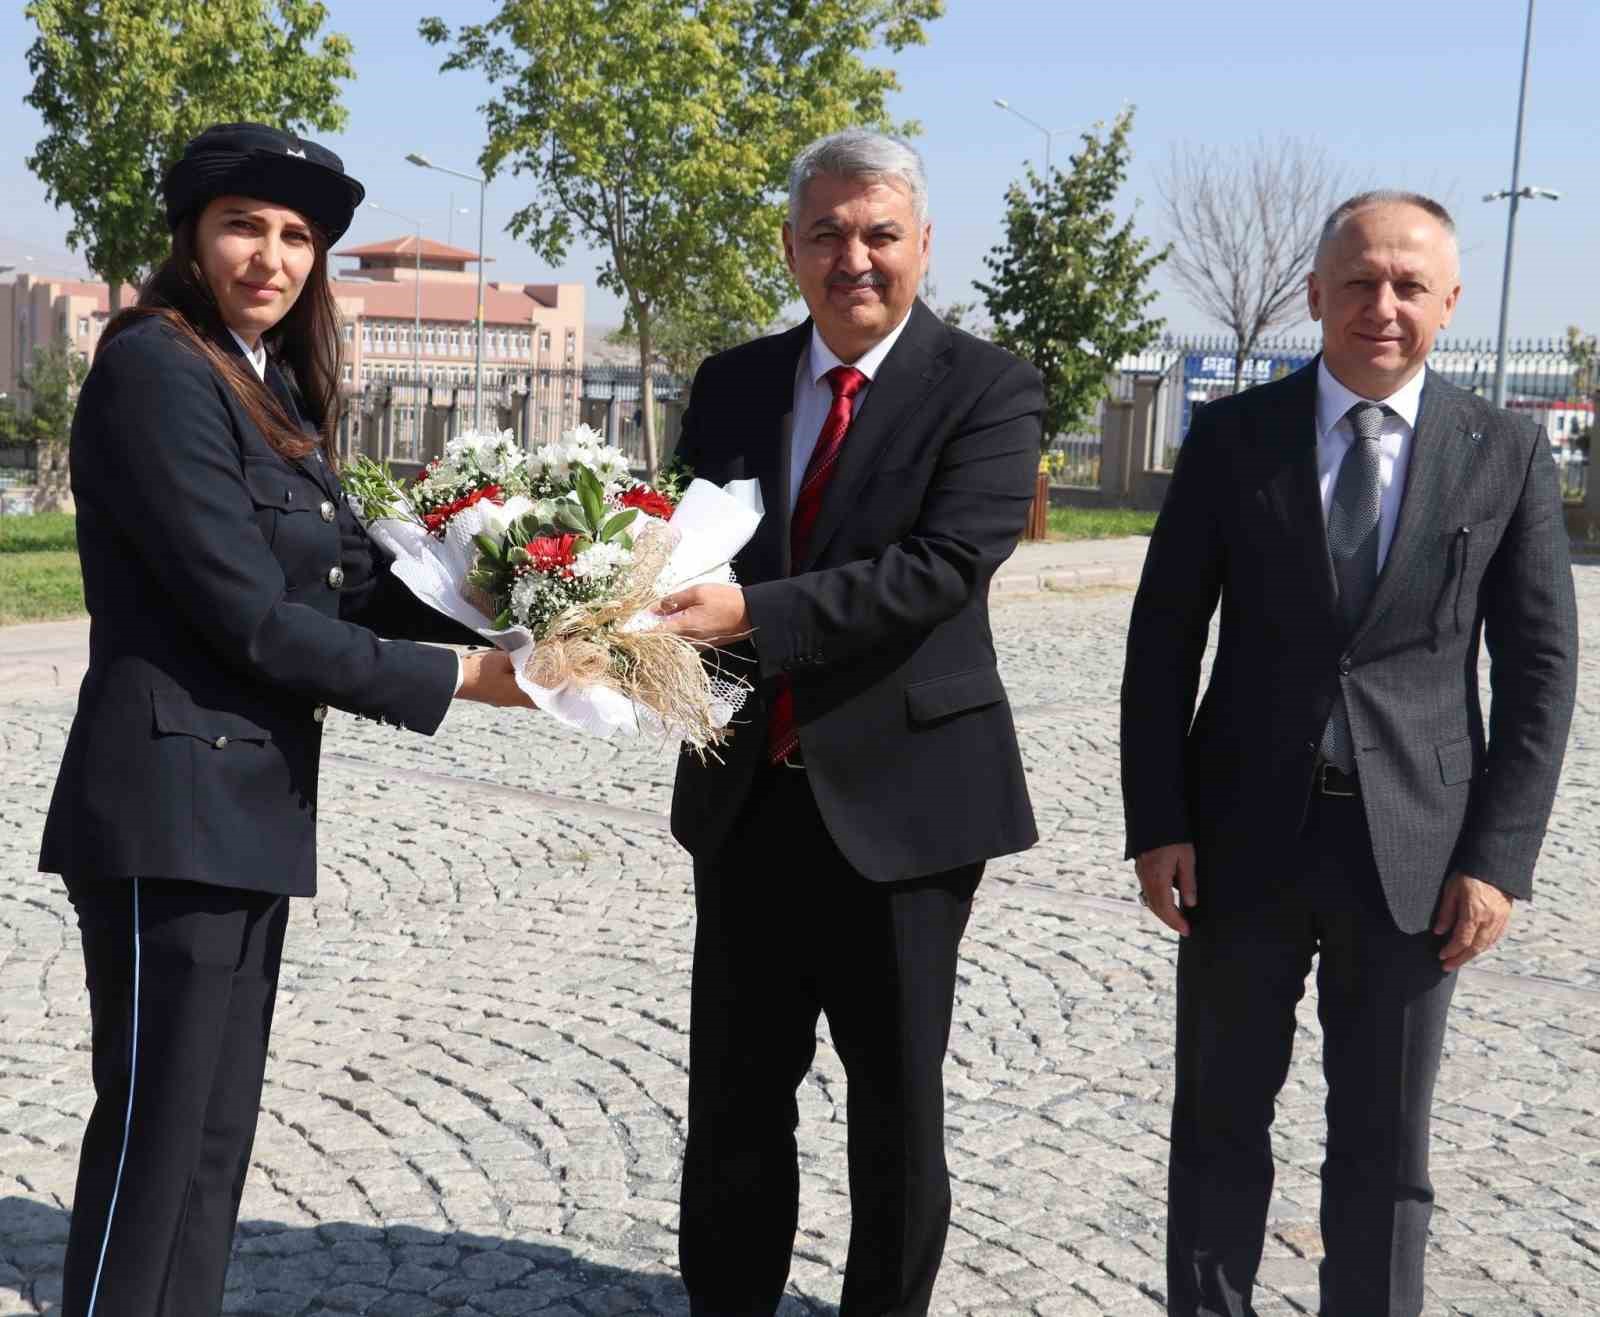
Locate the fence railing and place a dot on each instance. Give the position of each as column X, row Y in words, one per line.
column 1543, row 380
column 409, row 421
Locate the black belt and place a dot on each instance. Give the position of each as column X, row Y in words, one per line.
column 1334, row 782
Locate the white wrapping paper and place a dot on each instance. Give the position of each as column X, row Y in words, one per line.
column 711, row 523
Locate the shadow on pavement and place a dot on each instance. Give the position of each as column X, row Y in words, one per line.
column 398, row 1271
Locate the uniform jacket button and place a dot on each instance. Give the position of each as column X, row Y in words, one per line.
column 1344, row 667
column 221, row 743
column 335, row 577
column 319, row 713
column 327, row 510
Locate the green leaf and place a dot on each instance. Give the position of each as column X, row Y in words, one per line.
column 488, row 547
column 618, row 523
column 570, row 517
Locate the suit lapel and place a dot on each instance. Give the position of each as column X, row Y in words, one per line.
column 912, row 367
column 1441, row 455
column 1294, row 487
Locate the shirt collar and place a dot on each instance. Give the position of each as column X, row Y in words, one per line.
column 1334, row 399
column 256, row 356
column 823, row 358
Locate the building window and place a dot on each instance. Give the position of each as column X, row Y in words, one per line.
column 366, row 338
column 83, row 326
column 572, row 345
column 522, row 344
column 544, row 341
column 345, row 373
column 455, row 342
column 349, row 332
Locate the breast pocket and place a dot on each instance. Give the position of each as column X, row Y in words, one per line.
column 296, row 519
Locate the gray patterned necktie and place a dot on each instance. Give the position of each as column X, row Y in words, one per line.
column 1353, row 546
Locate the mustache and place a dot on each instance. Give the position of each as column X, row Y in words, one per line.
column 870, row 280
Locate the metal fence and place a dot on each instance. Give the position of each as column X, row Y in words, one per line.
column 408, row 422
column 1542, row 380
column 18, row 464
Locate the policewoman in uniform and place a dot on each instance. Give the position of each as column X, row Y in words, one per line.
column 233, row 599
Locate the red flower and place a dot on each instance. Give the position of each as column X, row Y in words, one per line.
column 648, row 501
column 439, row 518
column 552, row 554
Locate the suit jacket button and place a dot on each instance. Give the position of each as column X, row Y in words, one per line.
column 288, row 496
column 221, row 743
column 319, row 713
column 1344, row 667
column 335, row 577
column 327, row 510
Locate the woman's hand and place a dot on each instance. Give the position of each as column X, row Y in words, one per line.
column 487, row 677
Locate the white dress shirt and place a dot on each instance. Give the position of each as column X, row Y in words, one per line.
column 813, row 396
column 1335, row 435
column 257, row 357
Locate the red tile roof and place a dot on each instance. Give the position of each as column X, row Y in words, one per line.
column 448, row 301
column 407, row 246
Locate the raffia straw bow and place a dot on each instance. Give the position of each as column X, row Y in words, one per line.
column 585, row 644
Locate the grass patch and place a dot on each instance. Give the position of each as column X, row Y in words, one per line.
column 42, row 586
column 39, row 532
column 1099, row 523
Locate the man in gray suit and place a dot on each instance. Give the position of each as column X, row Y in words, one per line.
column 1364, row 524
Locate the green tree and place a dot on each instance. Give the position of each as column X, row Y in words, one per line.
column 123, row 84
column 49, row 389
column 1583, row 350
column 686, row 332
column 1069, row 289
column 659, row 133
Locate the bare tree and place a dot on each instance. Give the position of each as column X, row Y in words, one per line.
column 1244, row 228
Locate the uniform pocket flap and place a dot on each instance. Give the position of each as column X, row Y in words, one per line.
column 178, row 716
column 939, row 697
column 271, row 485
column 1455, row 761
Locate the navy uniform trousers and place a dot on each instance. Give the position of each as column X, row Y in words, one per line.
column 787, row 931
column 182, row 978
column 1382, row 998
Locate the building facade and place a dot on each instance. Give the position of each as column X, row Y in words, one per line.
column 409, row 324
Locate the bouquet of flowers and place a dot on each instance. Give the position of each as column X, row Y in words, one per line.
column 558, row 556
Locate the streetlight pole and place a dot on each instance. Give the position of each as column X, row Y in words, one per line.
column 416, row 327
column 483, row 184
column 1516, row 193
column 1050, row 134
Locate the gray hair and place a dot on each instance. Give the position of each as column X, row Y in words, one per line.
column 1386, row 197
column 859, row 153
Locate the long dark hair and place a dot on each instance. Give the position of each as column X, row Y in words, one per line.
column 305, row 344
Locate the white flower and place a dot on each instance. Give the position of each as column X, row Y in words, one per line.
column 492, row 453
column 599, row 561
column 497, row 518
column 610, row 465
column 554, row 461
column 525, row 596
column 584, row 436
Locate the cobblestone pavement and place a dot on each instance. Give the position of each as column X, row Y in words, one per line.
column 476, row 1096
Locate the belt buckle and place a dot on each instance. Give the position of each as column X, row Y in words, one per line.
column 1326, row 789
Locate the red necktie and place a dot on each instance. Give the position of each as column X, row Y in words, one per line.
column 846, row 382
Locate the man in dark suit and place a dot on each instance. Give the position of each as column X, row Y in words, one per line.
column 1364, row 524
column 839, row 839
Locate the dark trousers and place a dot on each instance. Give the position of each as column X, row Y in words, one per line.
column 181, row 981
column 1382, row 999
column 786, row 930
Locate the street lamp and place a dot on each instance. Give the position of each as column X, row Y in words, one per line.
column 422, row 162
column 1516, row 192
column 416, row 328
column 1050, row 134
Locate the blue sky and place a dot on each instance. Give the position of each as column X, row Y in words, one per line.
column 1413, row 93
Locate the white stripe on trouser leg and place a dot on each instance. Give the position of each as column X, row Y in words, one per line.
column 127, row 1120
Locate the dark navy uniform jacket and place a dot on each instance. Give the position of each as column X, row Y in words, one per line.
column 233, row 597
